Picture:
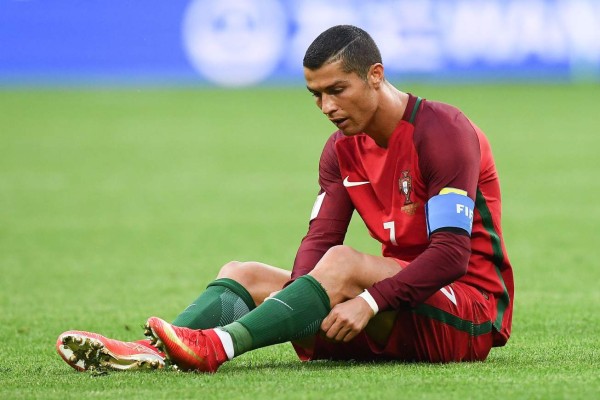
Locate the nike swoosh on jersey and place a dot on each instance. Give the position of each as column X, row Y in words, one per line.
column 347, row 183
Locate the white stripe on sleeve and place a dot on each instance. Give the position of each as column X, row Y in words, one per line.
column 317, row 206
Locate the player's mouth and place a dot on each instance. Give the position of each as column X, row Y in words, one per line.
column 339, row 122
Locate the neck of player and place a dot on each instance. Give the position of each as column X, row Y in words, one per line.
column 390, row 109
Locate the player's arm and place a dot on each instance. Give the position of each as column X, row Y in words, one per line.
column 449, row 159
column 330, row 215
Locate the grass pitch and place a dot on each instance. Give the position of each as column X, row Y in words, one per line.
column 116, row 205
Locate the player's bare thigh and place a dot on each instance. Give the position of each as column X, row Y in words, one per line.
column 259, row 279
column 345, row 272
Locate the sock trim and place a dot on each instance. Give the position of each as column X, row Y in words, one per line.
column 320, row 290
column 236, row 288
column 243, row 339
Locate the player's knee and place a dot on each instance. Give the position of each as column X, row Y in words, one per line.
column 341, row 254
column 336, row 271
column 338, row 261
column 241, row 272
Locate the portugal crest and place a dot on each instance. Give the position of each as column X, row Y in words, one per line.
column 405, row 186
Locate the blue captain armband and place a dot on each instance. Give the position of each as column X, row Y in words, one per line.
column 452, row 208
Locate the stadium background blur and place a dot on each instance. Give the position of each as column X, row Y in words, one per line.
column 242, row 43
column 145, row 143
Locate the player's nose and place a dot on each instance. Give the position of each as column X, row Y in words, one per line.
column 328, row 106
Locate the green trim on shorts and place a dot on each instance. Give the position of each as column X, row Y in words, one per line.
column 454, row 321
column 498, row 255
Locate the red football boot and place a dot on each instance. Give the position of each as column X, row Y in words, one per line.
column 86, row 351
column 188, row 349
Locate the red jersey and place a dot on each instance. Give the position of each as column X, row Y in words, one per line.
column 433, row 147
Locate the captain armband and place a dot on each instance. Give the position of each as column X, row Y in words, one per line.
column 452, row 208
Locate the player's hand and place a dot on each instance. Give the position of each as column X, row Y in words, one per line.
column 347, row 319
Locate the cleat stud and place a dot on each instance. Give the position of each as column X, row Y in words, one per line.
column 159, row 343
column 73, row 358
column 78, row 340
column 65, row 340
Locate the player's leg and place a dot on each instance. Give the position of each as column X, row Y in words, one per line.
column 342, row 274
column 293, row 313
column 239, row 288
column 345, row 272
column 454, row 324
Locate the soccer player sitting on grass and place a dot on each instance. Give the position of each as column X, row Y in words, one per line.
column 422, row 177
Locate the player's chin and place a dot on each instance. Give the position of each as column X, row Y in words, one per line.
column 346, row 126
column 349, row 130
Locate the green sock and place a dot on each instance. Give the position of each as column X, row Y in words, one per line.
column 295, row 312
column 223, row 302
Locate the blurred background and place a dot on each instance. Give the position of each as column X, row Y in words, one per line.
column 249, row 42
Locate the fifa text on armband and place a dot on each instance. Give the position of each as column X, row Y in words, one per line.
column 462, row 209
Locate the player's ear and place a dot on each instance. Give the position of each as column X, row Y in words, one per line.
column 375, row 75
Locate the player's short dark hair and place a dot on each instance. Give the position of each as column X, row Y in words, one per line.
column 353, row 46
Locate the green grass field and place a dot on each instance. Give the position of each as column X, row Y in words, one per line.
column 116, row 205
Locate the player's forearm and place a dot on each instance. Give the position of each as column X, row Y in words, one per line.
column 445, row 260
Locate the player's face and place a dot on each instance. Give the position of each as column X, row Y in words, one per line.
column 347, row 100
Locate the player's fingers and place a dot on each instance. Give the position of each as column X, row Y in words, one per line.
column 330, row 320
column 327, row 323
column 333, row 331
column 351, row 335
column 343, row 334
column 340, row 330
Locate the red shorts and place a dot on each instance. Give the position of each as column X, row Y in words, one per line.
column 454, row 324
